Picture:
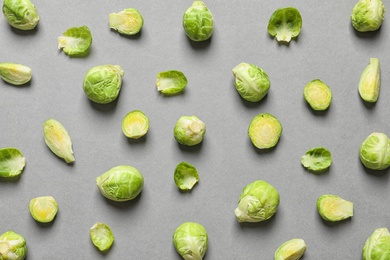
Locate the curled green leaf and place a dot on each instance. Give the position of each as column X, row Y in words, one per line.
column 12, row 162
column 75, row 41
column 171, row 82
column 285, row 23
column 185, row 176
column 101, row 236
column 317, row 159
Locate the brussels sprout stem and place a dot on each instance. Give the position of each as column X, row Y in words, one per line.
column 242, row 209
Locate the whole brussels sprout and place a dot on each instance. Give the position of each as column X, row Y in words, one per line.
column 377, row 246
column 189, row 130
column 198, row 22
column 20, row 14
column 375, row 151
column 12, row 246
column 368, row 15
column 191, row 241
column 291, row 250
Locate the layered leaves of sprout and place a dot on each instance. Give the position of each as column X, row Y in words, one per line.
column 12, row 246
column 333, row 208
column 191, row 241
column 368, row 15
column 377, row 246
column 291, row 250
column 198, row 22
column 318, row 95
column 43, row 209
column 15, row 74
column 375, row 151
column 369, row 83
column 189, row 130
column 135, row 124
column 264, row 131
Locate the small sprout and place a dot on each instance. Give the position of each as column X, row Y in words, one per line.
column 76, row 41
column 291, row 250
column 12, row 162
column 12, row 246
column 333, row 208
column 171, row 82
column 121, row 183
column 135, row 124
column 252, row 83
column 16, row 74
column 264, row 131
column 377, row 246
column 189, row 130
column 128, row 21
column 317, row 159
column 375, row 151
column 369, row 83
column 258, row 201
column 58, row 140
column 20, row 14
column 186, row 176
column 103, row 83
column 285, row 23
column 191, row 241
column 101, row 236
column 318, row 95
column 43, row 209
column 198, row 22
column 368, row 15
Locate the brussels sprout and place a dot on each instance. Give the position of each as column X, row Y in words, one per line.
column 370, row 81
column 318, row 95
column 285, row 23
column 258, row 201
column 368, row 15
column 103, row 83
column 291, row 250
column 12, row 246
column 333, row 208
column 190, row 240
column 101, row 236
column 186, row 176
column 128, row 21
column 12, row 162
column 43, row 209
column 189, row 130
column 16, row 74
column 317, row 159
column 251, row 82
column 377, row 246
column 171, row 82
column 121, row 183
column 198, row 22
column 20, row 14
column 264, row 131
column 135, row 124
column 375, row 151
column 58, row 140
column 75, row 41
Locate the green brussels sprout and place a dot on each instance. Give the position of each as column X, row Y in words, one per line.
column 291, row 250
column 135, row 124
column 198, row 22
column 121, row 183
column 370, row 81
column 285, row 23
column 58, row 140
column 43, row 209
column 368, row 15
column 128, row 21
column 377, row 246
column 317, row 159
column 171, row 82
column 375, row 151
column 191, row 240
column 103, row 83
column 20, row 14
column 185, row 176
column 264, row 131
column 333, row 208
column 258, row 201
column 101, row 236
column 76, row 41
column 12, row 246
column 318, row 95
column 12, row 162
column 251, row 82
column 16, row 74
column 189, row 130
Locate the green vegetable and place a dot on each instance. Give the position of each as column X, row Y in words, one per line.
column 285, row 23
column 258, row 201
column 12, row 246
column 333, row 208
column 191, row 241
column 16, row 74
column 58, row 140
column 103, row 83
column 198, row 22
column 135, row 124
column 76, row 41
column 369, row 83
column 251, row 82
column 368, row 15
column 101, row 236
column 43, row 209
column 264, row 131
column 318, row 95
column 377, row 246
column 121, row 183
column 291, row 250
column 189, row 130
column 12, row 162
column 20, row 14
column 375, row 151
column 317, row 159
column 171, row 82
column 186, row 176
column 128, row 21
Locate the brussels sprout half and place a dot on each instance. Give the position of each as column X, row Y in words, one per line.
column 190, row 240
column 20, row 14
column 198, row 22
column 333, row 208
column 43, row 209
column 16, row 74
column 12, row 246
column 264, row 131
column 185, row 176
column 189, row 130
column 318, row 95
column 377, row 246
column 171, row 82
column 75, row 41
column 128, row 21
column 369, row 83
column 12, row 162
column 285, row 23
column 317, row 159
column 291, row 250
column 368, row 15
column 135, row 124
column 101, row 236
column 375, row 151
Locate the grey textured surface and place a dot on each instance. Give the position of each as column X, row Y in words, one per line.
column 328, row 48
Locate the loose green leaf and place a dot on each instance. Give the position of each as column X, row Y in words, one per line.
column 12, row 162
column 264, row 131
column 75, row 41
column 369, row 83
column 16, row 74
column 128, row 21
column 185, row 176
column 191, row 241
column 43, row 209
column 317, row 159
column 171, row 82
column 198, row 22
column 101, row 236
column 333, row 208
column 318, row 95
column 285, row 23
column 20, row 14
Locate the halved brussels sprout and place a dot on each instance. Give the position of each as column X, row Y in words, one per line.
column 135, row 124
column 185, row 176
column 43, row 209
column 198, row 22
column 317, row 159
column 16, row 74
column 191, row 240
column 368, row 15
column 375, row 151
column 128, row 21
column 377, row 246
column 264, row 131
column 291, row 250
column 12, row 162
column 20, row 14
column 258, row 201
column 333, row 208
column 171, row 82
column 285, row 23
column 370, row 81
column 75, row 41
column 318, row 95
column 101, row 236
column 12, row 246
column 189, row 130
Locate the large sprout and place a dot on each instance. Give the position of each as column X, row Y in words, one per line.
column 198, row 22
column 370, row 81
column 285, row 23
column 101, row 236
column 291, row 250
column 15, row 74
column 189, row 130
column 333, row 208
column 135, row 124
column 12, row 246
column 191, row 241
column 264, row 131
column 20, row 14
column 318, row 95
column 368, row 15
column 375, row 151
column 377, row 246
column 12, row 162
column 43, row 209
column 75, row 41
column 317, row 159
column 128, row 21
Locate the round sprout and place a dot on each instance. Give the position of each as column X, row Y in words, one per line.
column 264, row 131
column 171, row 82
column 285, row 23
column 101, row 236
column 291, row 250
column 20, row 14
column 12, row 246
column 185, row 176
column 333, row 208
column 377, row 246
column 12, row 162
column 190, row 240
column 16, row 74
column 128, row 21
column 198, row 22
column 43, row 209
column 135, row 124
column 318, row 95
column 317, row 159
column 368, row 15
column 375, row 151
column 369, row 83
column 189, row 130
column 75, row 41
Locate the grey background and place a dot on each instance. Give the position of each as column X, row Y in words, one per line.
column 328, row 48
